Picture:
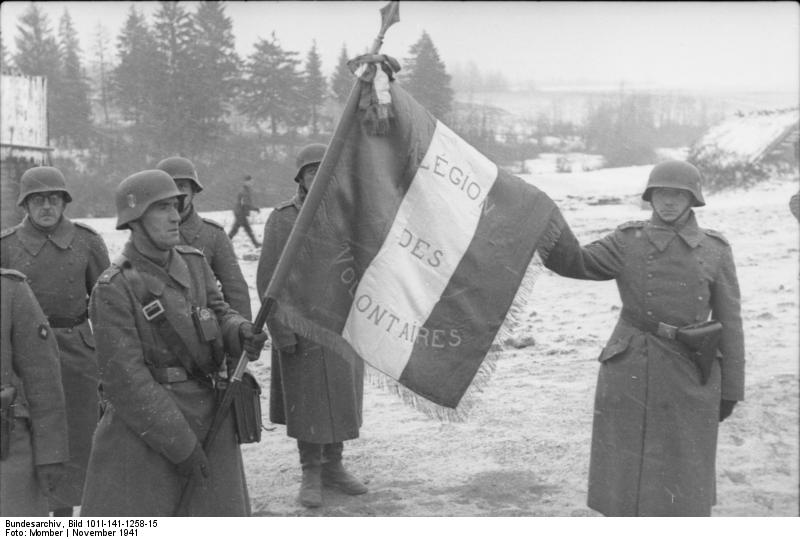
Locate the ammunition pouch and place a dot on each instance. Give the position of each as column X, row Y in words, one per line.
column 7, row 396
column 701, row 339
column 246, row 408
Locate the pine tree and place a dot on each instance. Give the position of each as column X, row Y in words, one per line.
column 217, row 72
column 102, row 69
column 426, row 79
column 314, row 86
column 3, row 54
column 176, row 65
column 342, row 79
column 135, row 78
column 37, row 55
column 73, row 95
column 272, row 87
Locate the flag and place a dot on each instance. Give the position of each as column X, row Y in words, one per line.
column 419, row 258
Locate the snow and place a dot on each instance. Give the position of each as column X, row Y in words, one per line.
column 525, row 449
column 743, row 139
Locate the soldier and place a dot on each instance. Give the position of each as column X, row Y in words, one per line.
column 244, row 205
column 162, row 329
column 33, row 431
column 208, row 236
column 62, row 259
column 316, row 394
column 654, row 437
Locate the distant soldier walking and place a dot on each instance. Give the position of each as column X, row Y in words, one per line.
column 208, row 236
column 62, row 260
column 162, row 331
column 33, row 416
column 244, row 205
column 316, row 394
column 665, row 382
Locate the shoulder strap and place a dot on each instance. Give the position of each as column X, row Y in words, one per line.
column 154, row 312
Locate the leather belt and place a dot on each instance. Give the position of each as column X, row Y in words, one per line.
column 661, row 329
column 174, row 375
column 67, row 322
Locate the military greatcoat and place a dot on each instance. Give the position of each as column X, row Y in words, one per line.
column 654, row 435
column 315, row 393
column 210, row 237
column 150, row 424
column 29, row 357
column 62, row 268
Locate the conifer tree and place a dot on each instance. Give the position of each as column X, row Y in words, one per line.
column 3, row 54
column 37, row 55
column 175, row 95
column 425, row 78
column 73, row 94
column 270, row 92
column 342, row 79
column 314, row 87
column 135, row 78
column 217, row 72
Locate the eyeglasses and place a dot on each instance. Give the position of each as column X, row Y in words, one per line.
column 53, row 198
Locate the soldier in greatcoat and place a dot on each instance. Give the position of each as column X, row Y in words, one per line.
column 62, row 260
column 208, row 236
column 162, row 329
column 654, row 436
column 34, row 423
column 315, row 393
column 242, row 208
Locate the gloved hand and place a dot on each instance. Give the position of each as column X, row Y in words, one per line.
column 195, row 464
column 48, row 475
column 252, row 343
column 725, row 409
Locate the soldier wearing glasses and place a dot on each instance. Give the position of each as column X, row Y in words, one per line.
column 62, row 260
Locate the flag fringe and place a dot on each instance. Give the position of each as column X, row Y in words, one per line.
column 471, row 398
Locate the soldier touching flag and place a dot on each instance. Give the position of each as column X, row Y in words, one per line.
column 162, row 331
column 659, row 402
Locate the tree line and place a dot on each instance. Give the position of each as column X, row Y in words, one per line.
column 176, row 85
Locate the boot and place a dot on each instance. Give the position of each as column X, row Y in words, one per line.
column 334, row 474
column 311, row 484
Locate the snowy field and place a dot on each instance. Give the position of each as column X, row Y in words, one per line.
column 525, row 449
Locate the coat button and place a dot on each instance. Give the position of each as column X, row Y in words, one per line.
column 649, row 275
column 649, row 293
column 700, row 298
column 649, row 313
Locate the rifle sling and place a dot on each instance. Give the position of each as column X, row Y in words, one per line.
column 154, row 312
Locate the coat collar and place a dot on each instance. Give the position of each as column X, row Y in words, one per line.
column 190, row 227
column 176, row 269
column 661, row 235
column 34, row 239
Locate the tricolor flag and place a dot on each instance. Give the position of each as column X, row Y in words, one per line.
column 418, row 258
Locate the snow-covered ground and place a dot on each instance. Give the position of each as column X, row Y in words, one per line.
column 525, row 449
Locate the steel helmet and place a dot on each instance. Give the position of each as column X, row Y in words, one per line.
column 137, row 192
column 677, row 175
column 180, row 168
column 42, row 180
column 309, row 155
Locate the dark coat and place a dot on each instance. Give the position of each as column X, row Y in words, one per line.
column 210, row 238
column 315, row 393
column 29, row 356
column 654, row 436
column 62, row 268
column 148, row 427
column 244, row 202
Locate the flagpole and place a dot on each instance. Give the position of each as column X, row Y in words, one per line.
column 389, row 15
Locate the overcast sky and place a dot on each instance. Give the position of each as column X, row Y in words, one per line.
column 714, row 45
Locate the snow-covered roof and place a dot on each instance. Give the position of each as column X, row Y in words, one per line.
column 747, row 138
